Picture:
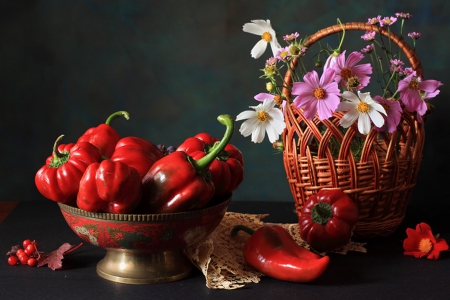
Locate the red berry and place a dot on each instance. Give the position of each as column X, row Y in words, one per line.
column 20, row 252
column 23, row 259
column 12, row 260
column 32, row 262
column 29, row 250
column 26, row 243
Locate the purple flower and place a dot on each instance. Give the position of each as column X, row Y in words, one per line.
column 291, row 37
column 369, row 36
column 374, row 20
column 393, row 111
column 387, row 21
column 283, row 54
column 314, row 95
column 414, row 35
column 397, row 66
column 350, row 75
column 410, row 88
column 403, row 15
column 367, row 49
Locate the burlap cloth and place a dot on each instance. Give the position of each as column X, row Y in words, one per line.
column 220, row 257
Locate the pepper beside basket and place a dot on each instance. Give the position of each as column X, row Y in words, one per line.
column 380, row 180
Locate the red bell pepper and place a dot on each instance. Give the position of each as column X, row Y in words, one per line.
column 227, row 170
column 327, row 220
column 111, row 187
column 272, row 251
column 137, row 153
column 59, row 179
column 104, row 137
column 178, row 183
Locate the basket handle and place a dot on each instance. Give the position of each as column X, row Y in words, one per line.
column 407, row 50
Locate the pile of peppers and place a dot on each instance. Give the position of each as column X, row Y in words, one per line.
column 106, row 172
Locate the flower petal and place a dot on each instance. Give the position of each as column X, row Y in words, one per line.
column 349, row 118
column 245, row 115
column 364, row 123
column 350, row 96
column 259, row 49
column 263, row 96
column 376, row 118
column 257, row 27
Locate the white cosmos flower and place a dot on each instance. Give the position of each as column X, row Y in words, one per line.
column 362, row 108
column 265, row 118
column 267, row 34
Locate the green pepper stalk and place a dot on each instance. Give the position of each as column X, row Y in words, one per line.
column 104, row 136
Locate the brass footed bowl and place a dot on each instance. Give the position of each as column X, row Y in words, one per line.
column 145, row 248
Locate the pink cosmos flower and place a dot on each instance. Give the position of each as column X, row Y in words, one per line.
column 350, row 75
column 410, row 88
column 394, row 113
column 314, row 95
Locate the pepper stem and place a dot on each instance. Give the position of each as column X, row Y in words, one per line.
column 238, row 228
column 117, row 114
column 321, row 213
column 203, row 163
column 58, row 158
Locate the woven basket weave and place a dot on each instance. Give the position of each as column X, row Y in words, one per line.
column 380, row 180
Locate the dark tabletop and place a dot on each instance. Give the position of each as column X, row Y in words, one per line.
column 381, row 273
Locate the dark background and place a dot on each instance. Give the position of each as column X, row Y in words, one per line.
column 175, row 66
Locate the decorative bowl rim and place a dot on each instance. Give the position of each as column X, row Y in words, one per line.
column 224, row 202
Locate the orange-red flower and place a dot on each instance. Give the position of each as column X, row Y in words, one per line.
column 421, row 242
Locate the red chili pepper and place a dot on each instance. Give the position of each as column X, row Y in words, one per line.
column 327, row 220
column 59, row 179
column 137, row 153
column 227, row 170
column 177, row 182
column 104, row 137
column 272, row 251
column 111, row 187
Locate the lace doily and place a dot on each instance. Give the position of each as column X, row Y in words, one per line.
column 220, row 257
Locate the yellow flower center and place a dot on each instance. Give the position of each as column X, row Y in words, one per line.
column 352, row 82
column 413, row 85
column 363, row 107
column 425, row 245
column 346, row 73
column 266, row 36
column 319, row 93
column 278, row 100
column 263, row 116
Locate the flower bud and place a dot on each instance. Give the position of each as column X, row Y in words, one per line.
column 278, row 145
column 270, row 86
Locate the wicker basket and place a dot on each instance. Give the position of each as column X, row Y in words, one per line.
column 380, row 180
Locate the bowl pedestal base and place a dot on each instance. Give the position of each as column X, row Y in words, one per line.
column 136, row 267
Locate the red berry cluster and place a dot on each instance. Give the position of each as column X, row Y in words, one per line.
column 28, row 255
